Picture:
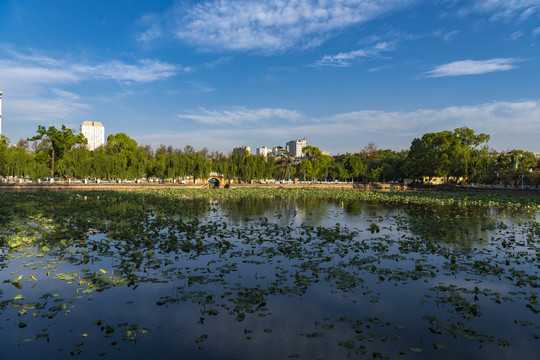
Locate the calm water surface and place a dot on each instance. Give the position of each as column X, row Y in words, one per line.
column 267, row 278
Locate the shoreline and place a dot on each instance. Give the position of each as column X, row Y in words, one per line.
column 68, row 187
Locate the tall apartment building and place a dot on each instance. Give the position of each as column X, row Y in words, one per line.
column 94, row 132
column 276, row 151
column 242, row 149
column 295, row 147
column 263, row 151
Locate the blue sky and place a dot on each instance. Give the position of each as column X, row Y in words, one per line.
column 340, row 73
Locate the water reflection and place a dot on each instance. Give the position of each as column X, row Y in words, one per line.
column 462, row 226
column 132, row 276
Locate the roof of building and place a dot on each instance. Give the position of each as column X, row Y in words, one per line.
column 91, row 123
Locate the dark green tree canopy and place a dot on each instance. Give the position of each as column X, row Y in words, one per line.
column 121, row 142
column 59, row 141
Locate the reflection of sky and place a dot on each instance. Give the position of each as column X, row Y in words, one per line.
column 174, row 328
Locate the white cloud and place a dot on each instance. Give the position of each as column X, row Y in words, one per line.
column 497, row 115
column 240, row 115
column 41, row 69
column 473, row 67
column 505, row 9
column 54, row 109
column 153, row 28
column 32, row 83
column 271, row 25
column 345, row 59
column 218, row 62
column 450, row 35
column 535, row 32
column 199, row 87
column 142, row 72
column 510, row 124
column 516, row 35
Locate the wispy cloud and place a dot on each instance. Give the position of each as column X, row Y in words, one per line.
column 272, row 25
column 473, row 67
column 345, row 59
column 219, row 61
column 350, row 131
column 505, row 9
column 240, row 115
column 141, row 72
column 37, row 68
column 57, row 108
column 153, row 28
column 199, row 87
column 516, row 35
column 448, row 36
column 29, row 77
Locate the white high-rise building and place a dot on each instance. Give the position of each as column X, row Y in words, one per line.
column 94, row 132
column 277, row 151
column 242, row 149
column 295, row 147
column 263, row 151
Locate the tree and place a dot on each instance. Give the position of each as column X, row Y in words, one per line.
column 354, row 166
column 76, row 163
column 285, row 161
column 465, row 155
column 59, row 141
column 446, row 153
column 318, row 163
column 391, row 163
column 430, row 156
column 23, row 144
column 369, row 155
column 120, row 142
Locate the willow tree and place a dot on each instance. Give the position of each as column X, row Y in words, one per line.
column 58, row 141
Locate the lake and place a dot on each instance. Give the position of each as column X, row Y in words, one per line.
column 225, row 275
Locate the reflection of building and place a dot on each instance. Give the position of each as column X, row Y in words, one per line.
column 263, row 151
column 241, row 149
column 295, row 147
column 94, row 132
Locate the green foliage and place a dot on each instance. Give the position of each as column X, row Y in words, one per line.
column 59, row 141
column 354, row 166
column 120, row 142
column 460, row 155
column 447, row 153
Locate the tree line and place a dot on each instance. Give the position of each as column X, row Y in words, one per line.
column 459, row 155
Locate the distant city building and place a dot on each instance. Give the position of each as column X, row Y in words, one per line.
column 0, row 113
column 324, row 152
column 94, row 132
column 537, row 155
column 242, row 149
column 295, row 147
column 276, row 151
column 263, row 151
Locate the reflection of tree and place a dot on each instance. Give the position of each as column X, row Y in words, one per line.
column 174, row 242
column 459, row 225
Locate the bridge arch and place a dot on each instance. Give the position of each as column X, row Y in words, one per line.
column 213, row 183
